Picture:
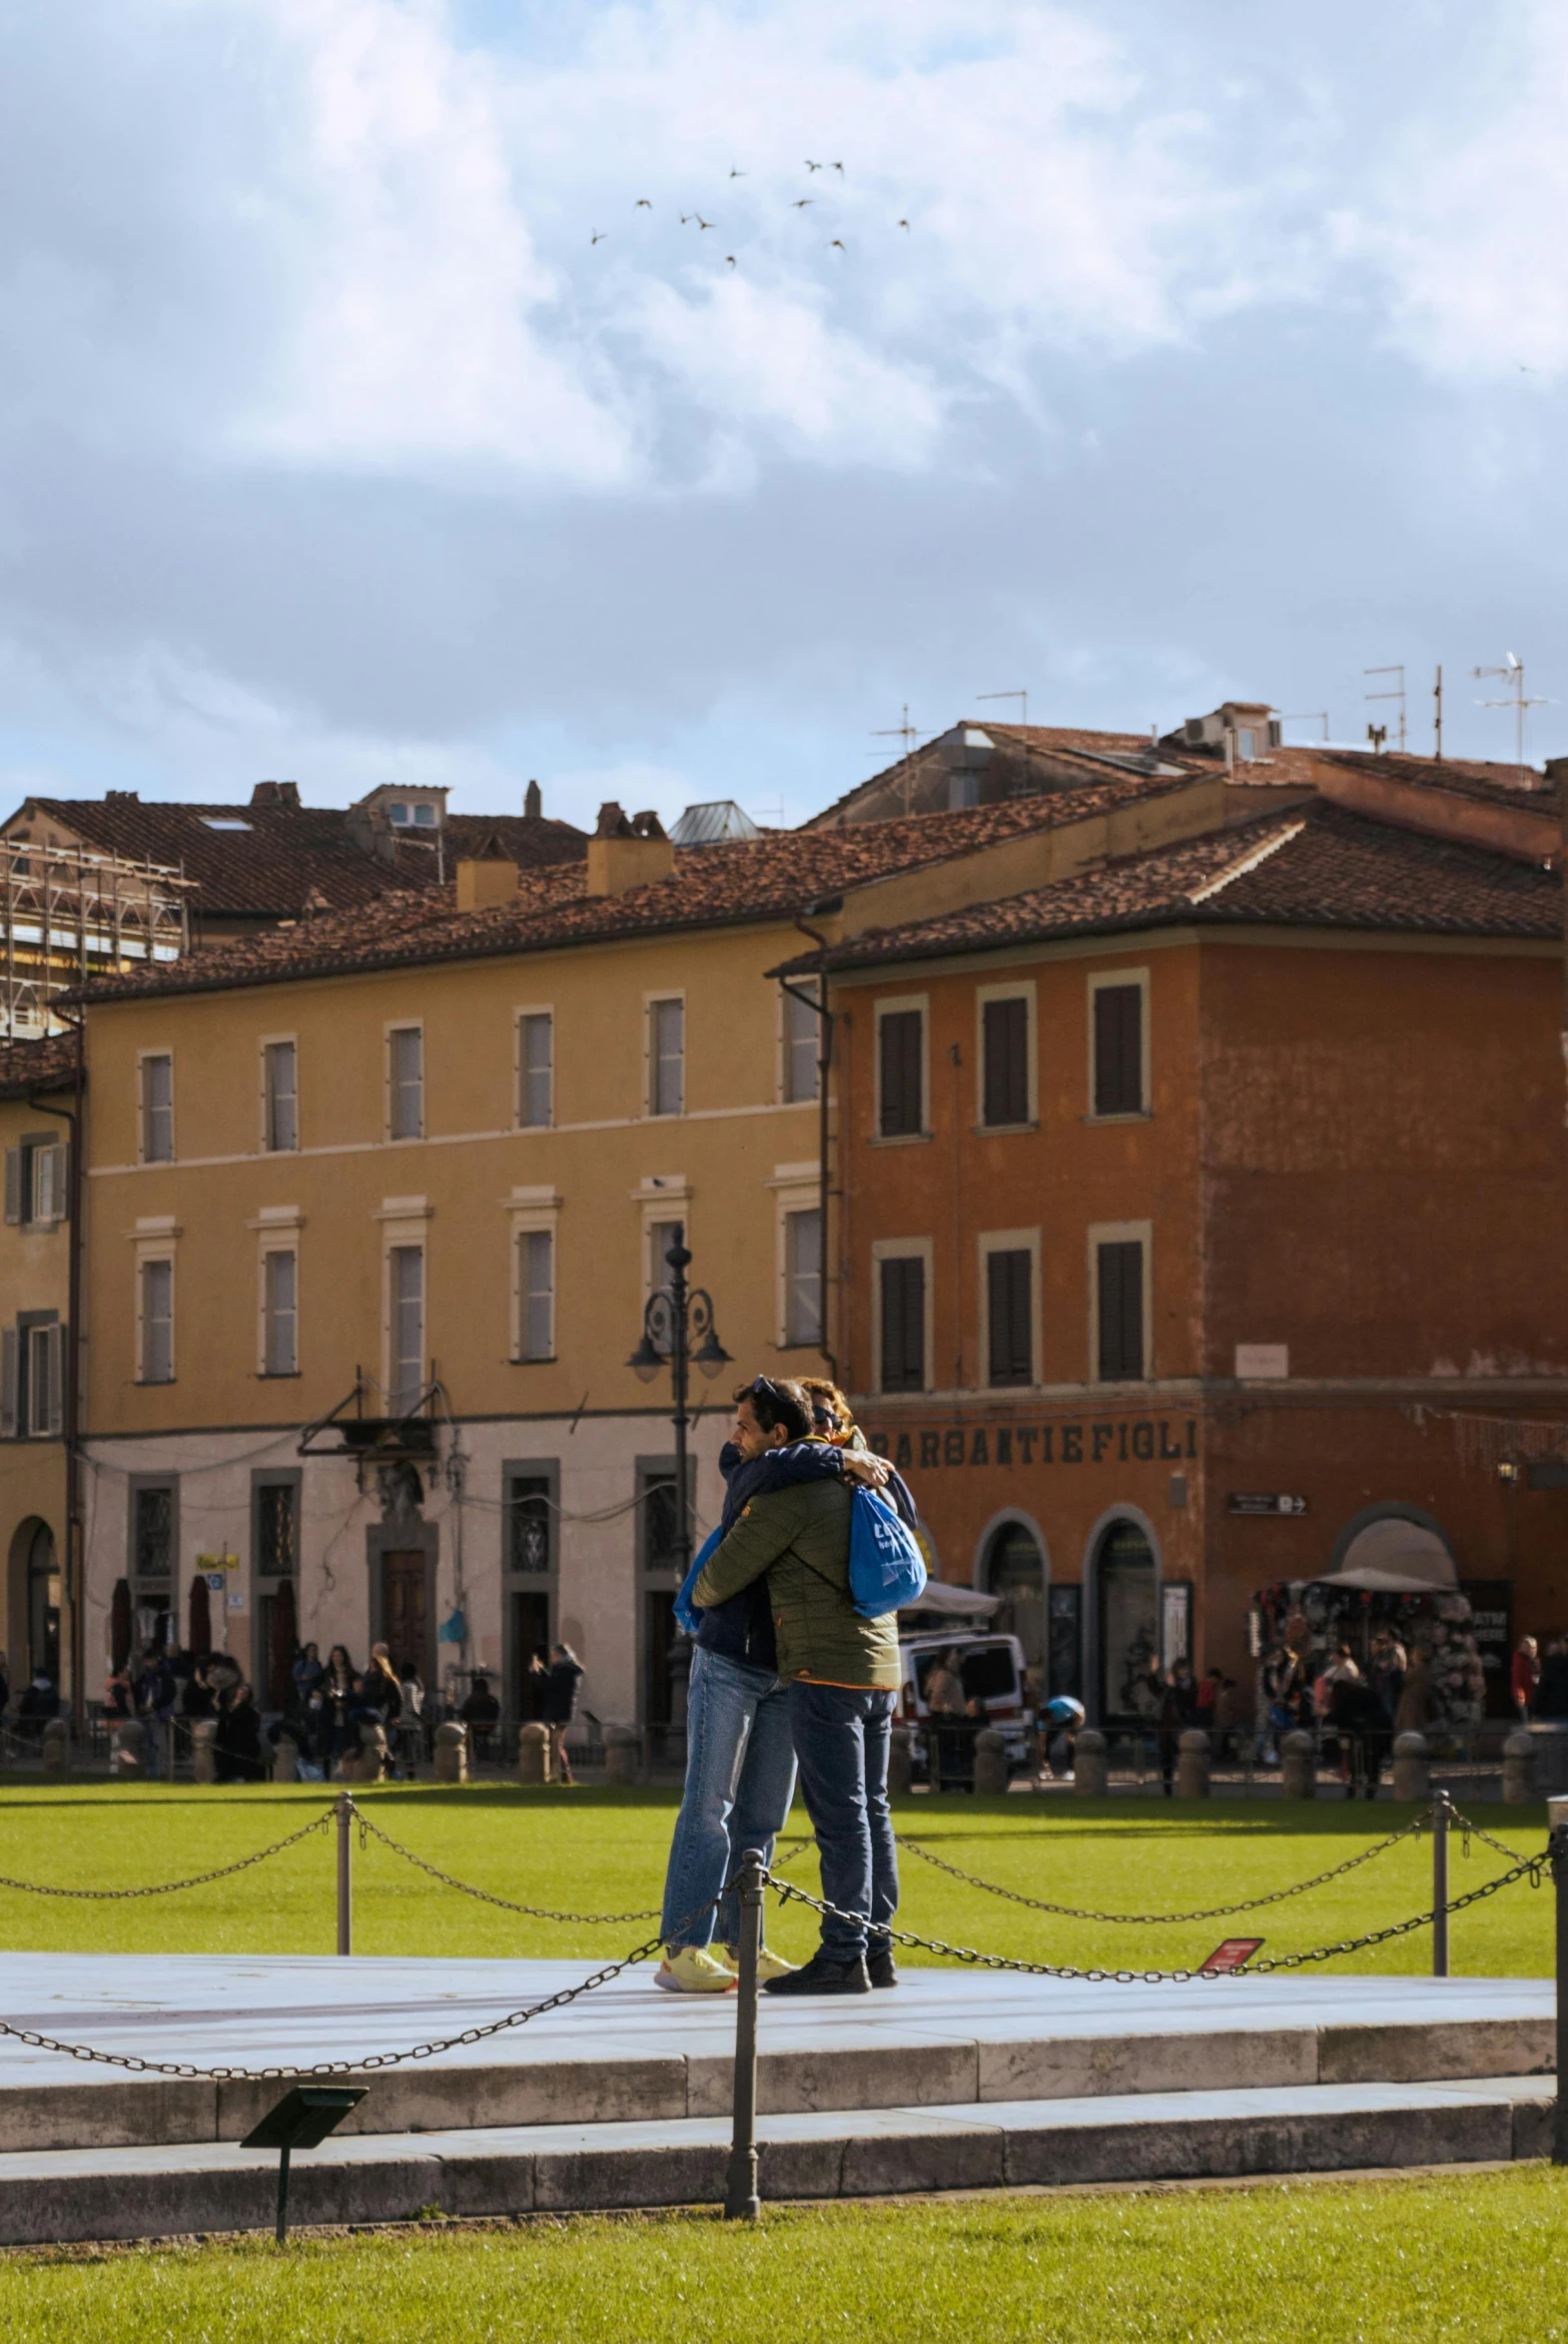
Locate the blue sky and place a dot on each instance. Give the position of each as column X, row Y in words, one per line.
column 1223, row 353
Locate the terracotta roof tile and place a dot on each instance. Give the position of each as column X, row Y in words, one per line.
column 771, row 878
column 1315, row 867
column 45, row 1065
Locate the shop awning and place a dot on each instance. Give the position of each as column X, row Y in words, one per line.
column 1396, row 1557
column 939, row 1601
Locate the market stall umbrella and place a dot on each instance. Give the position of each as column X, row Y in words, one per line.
column 940, row 1602
column 120, row 1625
column 201, row 1639
column 1396, row 1557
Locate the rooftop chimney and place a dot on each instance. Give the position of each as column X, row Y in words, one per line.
column 625, row 854
column 533, row 802
column 490, row 876
column 285, row 794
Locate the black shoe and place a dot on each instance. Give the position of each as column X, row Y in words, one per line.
column 881, row 1968
column 823, row 1977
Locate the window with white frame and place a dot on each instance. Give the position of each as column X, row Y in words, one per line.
column 803, row 1275
column 535, row 1070
column 901, row 1322
column 279, row 1097
column 35, row 1182
column 1009, row 1301
column 155, row 1308
column 405, row 1083
column 535, row 1293
column 404, row 1327
column 280, row 1311
column 1118, row 1044
column 802, row 1045
column 901, row 1070
column 157, row 1108
column 32, row 1377
column 666, row 1057
column 1118, row 1263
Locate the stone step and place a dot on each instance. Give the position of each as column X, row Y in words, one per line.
column 628, row 2053
column 82, row 2195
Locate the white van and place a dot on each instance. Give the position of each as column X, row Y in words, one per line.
column 991, row 1670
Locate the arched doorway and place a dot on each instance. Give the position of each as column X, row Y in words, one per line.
column 1014, row 1567
column 1127, row 1620
column 40, row 1598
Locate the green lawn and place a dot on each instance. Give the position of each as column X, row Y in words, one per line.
column 1476, row 2256
column 602, row 1850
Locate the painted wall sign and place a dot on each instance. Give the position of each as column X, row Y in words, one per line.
column 1125, row 1441
column 1255, row 1501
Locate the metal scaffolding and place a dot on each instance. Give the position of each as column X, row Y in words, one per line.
column 69, row 914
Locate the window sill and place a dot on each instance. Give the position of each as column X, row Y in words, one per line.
column 900, row 1139
column 1134, row 1115
column 1002, row 1131
column 531, row 1359
column 153, row 1384
column 277, row 1374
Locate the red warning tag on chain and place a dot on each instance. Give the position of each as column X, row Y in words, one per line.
column 1234, row 1954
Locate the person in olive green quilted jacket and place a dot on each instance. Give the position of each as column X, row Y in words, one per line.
column 843, row 1676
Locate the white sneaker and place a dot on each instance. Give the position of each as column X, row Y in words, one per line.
column 690, row 1969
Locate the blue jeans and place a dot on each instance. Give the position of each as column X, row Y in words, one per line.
column 740, row 1778
column 842, row 1740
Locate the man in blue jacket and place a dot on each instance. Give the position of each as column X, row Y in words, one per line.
column 740, row 1758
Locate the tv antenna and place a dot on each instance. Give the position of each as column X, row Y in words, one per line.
column 1023, row 697
column 908, row 734
column 1309, row 716
column 1396, row 694
column 1513, row 673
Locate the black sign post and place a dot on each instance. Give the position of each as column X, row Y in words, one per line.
column 302, row 2119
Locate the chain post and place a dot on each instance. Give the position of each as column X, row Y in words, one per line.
column 1557, row 1849
column 1442, row 1813
column 345, row 1871
column 740, row 2197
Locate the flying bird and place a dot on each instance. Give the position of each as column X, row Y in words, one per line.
column 701, row 223
column 642, row 205
column 810, row 166
column 737, row 175
column 685, row 216
column 800, row 202
column 729, row 260
column 903, row 224
column 839, row 167
column 597, row 237
column 838, row 245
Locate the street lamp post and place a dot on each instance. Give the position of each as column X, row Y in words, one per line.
column 677, row 1326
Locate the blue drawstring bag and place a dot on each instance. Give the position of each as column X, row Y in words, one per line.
column 687, row 1617
column 886, row 1567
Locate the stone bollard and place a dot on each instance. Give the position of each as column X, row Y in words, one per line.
column 1413, row 1774
column 991, row 1762
column 56, row 1747
column 373, row 1754
column 1192, row 1767
column 901, row 1764
column 286, row 1759
column 1519, row 1768
column 622, row 1754
column 533, row 1753
column 451, row 1752
column 1298, row 1766
column 204, row 1758
column 128, row 1751
column 1090, row 1764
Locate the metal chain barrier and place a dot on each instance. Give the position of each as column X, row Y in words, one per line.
column 1164, row 1920
column 371, row 2064
column 1533, row 1868
column 1474, row 1831
column 198, row 1880
column 369, row 1830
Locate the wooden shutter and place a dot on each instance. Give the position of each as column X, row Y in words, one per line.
column 1008, row 1297
column 1121, row 1313
column 1119, row 1050
column 904, row 1325
column 8, row 1382
column 1006, row 1032
column 13, row 1184
column 901, row 1054
column 53, row 1411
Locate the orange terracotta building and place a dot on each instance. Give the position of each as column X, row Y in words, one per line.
column 1197, row 1226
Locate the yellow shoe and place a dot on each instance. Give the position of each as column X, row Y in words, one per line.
column 769, row 1965
column 690, row 1969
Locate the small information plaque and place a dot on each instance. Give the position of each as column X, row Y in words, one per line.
column 1234, row 1954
